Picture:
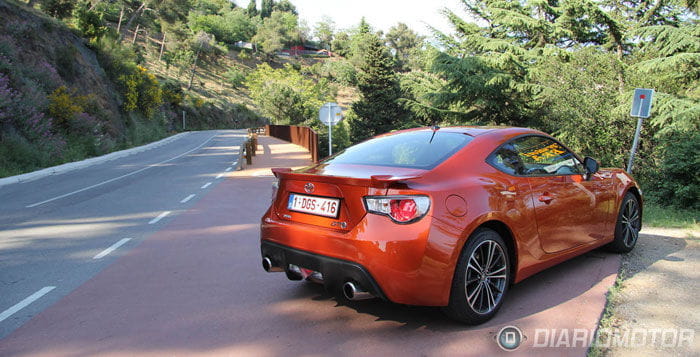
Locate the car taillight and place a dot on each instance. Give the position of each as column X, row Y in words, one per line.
column 401, row 209
column 275, row 187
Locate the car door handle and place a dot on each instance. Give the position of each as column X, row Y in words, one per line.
column 545, row 198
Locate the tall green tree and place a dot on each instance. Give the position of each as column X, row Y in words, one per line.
column 285, row 95
column 285, row 6
column 404, row 43
column 378, row 110
column 252, row 9
column 266, row 8
column 324, row 31
column 276, row 32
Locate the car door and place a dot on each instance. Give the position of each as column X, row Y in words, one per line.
column 569, row 209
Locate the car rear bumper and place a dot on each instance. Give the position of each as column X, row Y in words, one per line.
column 335, row 271
column 407, row 264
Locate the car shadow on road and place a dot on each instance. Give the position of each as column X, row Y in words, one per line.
column 651, row 248
column 546, row 290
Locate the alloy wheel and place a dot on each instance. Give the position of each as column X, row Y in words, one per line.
column 630, row 222
column 486, row 277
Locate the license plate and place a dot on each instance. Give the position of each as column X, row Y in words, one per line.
column 327, row 207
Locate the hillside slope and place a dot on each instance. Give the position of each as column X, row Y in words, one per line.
column 64, row 98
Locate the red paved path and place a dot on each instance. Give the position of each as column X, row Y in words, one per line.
column 197, row 288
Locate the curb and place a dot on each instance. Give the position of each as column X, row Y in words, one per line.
column 55, row 170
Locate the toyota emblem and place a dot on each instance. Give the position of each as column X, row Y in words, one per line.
column 309, row 187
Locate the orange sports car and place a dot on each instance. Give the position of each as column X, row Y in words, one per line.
column 445, row 216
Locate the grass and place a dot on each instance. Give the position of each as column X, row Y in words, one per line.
column 609, row 320
column 656, row 215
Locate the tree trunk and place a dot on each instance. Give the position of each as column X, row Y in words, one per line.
column 194, row 69
column 119, row 24
column 162, row 47
column 136, row 33
column 135, row 15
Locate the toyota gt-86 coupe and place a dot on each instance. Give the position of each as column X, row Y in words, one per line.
column 445, row 217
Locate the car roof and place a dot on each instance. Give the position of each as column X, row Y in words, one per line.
column 475, row 131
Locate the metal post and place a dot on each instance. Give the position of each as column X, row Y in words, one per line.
column 330, row 131
column 635, row 142
column 183, row 120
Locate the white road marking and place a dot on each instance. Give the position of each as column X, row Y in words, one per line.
column 160, row 216
column 219, row 176
column 187, row 198
column 24, row 303
column 120, row 177
column 112, row 248
column 206, row 185
column 228, row 169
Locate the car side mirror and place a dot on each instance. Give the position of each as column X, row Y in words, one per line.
column 591, row 167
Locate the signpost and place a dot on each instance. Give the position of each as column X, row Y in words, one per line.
column 641, row 108
column 330, row 114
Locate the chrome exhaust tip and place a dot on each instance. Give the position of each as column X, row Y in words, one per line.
column 269, row 266
column 353, row 292
column 294, row 272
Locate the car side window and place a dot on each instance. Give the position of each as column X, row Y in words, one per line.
column 541, row 156
column 506, row 159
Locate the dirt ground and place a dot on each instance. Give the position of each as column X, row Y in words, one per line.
column 657, row 302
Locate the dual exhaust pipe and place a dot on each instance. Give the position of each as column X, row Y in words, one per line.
column 269, row 267
column 351, row 290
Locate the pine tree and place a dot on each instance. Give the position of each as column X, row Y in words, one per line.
column 378, row 110
column 252, row 9
column 266, row 8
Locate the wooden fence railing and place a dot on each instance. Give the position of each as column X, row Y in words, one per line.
column 300, row 135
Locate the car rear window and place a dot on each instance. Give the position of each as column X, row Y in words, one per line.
column 413, row 149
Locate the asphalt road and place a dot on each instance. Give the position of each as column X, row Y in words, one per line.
column 54, row 231
column 192, row 284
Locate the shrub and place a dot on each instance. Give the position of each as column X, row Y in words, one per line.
column 679, row 186
column 65, row 59
column 235, row 77
column 64, row 106
column 57, row 8
column 141, row 91
column 172, row 92
column 89, row 22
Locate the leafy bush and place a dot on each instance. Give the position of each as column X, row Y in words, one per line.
column 679, row 186
column 172, row 92
column 89, row 22
column 64, row 106
column 235, row 77
column 58, row 8
column 64, row 57
column 141, row 91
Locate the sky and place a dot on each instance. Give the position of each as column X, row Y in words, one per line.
column 380, row 14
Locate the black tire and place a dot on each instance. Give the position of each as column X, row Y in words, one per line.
column 478, row 299
column 628, row 225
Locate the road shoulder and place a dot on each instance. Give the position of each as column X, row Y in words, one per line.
column 653, row 307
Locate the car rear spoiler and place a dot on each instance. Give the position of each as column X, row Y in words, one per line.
column 376, row 181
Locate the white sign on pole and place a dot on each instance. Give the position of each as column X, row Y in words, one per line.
column 641, row 108
column 330, row 114
column 641, row 103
